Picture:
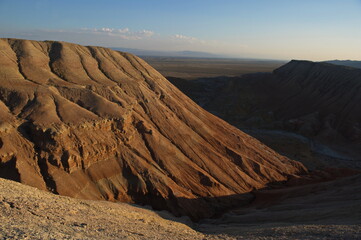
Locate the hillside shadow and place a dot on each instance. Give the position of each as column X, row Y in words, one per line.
column 258, row 208
column 9, row 171
column 194, row 210
column 29, row 131
column 204, row 207
column 312, row 209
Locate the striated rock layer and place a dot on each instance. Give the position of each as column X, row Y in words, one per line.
column 94, row 123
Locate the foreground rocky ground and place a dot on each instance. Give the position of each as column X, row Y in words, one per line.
column 307, row 212
column 29, row 213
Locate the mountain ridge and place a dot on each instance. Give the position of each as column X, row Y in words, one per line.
column 348, row 63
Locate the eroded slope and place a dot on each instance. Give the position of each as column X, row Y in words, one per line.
column 93, row 123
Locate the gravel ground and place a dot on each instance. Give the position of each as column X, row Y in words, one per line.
column 28, row 213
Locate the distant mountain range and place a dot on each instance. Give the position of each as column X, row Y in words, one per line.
column 194, row 54
column 348, row 63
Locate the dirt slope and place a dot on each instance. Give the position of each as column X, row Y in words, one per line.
column 94, row 123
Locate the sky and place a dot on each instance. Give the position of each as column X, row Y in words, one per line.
column 269, row 29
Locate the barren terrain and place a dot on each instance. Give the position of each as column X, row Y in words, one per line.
column 327, row 211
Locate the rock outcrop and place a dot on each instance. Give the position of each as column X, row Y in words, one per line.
column 93, row 123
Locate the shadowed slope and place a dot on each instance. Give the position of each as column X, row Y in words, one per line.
column 94, row 123
column 317, row 100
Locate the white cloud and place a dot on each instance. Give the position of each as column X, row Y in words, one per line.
column 180, row 37
column 127, row 38
column 123, row 33
column 146, row 33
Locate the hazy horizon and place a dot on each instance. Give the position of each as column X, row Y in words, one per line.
column 279, row 29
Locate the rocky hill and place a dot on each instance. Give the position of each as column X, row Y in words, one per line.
column 93, row 123
column 298, row 89
column 319, row 101
column 333, row 93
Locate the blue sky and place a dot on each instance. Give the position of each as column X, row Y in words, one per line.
column 278, row 29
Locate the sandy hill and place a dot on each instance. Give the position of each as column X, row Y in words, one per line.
column 94, row 123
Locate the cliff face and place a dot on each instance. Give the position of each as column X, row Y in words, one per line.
column 93, row 123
